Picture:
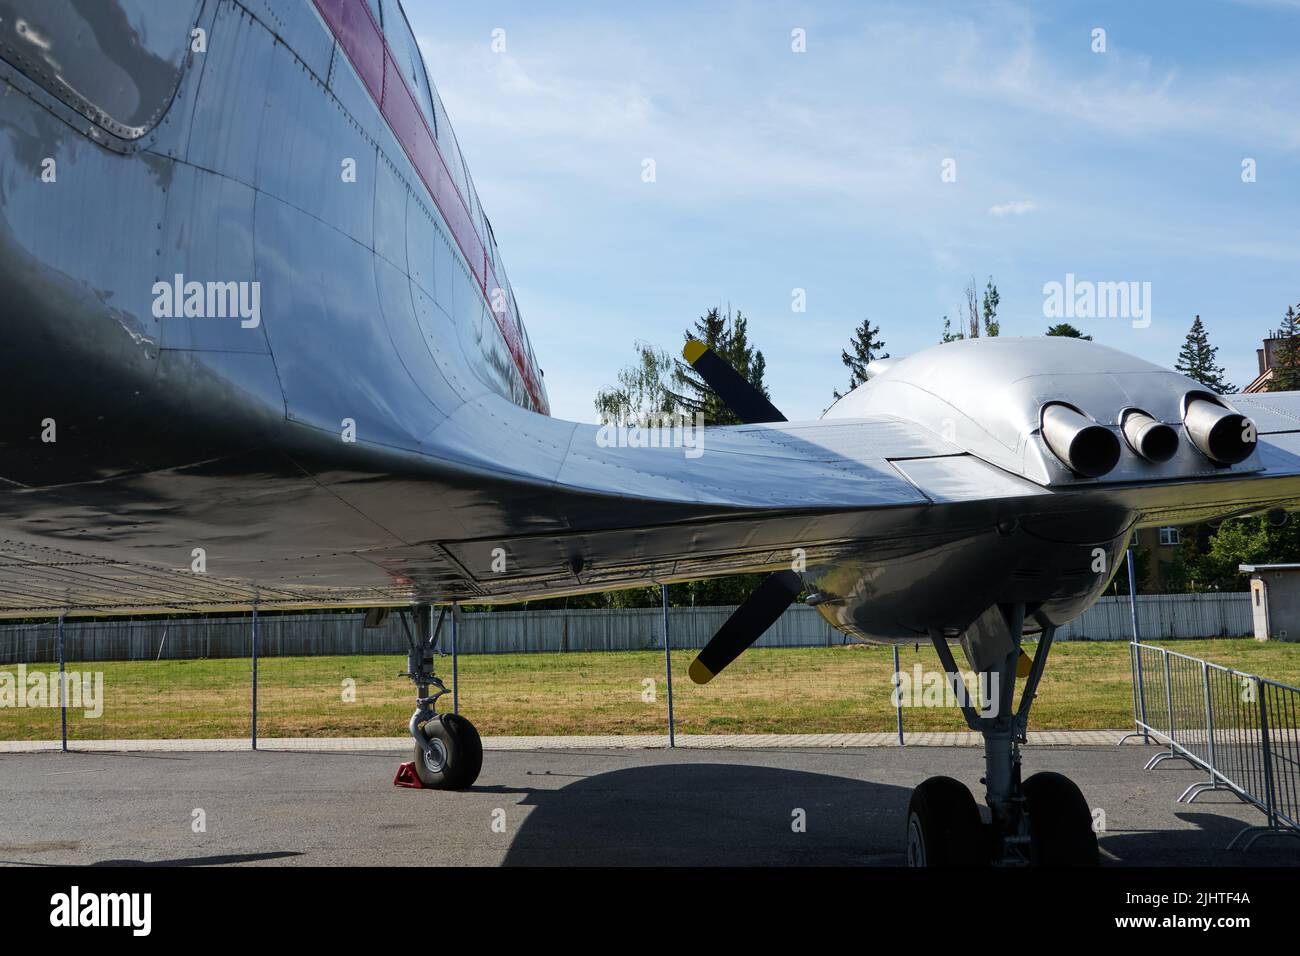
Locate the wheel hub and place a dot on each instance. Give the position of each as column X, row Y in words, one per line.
column 435, row 756
column 915, row 842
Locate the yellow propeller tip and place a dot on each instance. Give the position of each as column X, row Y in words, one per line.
column 1023, row 664
column 693, row 349
column 699, row 673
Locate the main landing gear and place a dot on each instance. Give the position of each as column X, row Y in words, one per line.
column 448, row 751
column 1042, row 821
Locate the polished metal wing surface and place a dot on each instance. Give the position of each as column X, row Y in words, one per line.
column 560, row 507
column 1274, row 413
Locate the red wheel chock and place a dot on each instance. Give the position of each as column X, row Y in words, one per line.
column 407, row 777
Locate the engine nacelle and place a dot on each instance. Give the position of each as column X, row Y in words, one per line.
column 1058, row 410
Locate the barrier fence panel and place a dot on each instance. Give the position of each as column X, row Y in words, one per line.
column 550, row 693
column 1281, row 707
column 336, row 696
column 29, row 683
column 175, row 692
column 1149, row 668
column 1138, row 693
column 1238, row 741
column 1242, row 729
column 767, row 690
column 1191, row 720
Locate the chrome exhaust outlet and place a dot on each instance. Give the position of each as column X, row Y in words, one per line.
column 1149, row 438
column 1088, row 449
column 1220, row 434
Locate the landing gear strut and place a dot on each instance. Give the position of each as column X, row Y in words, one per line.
column 1044, row 820
column 448, row 751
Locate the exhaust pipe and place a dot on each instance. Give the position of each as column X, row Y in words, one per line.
column 1151, row 439
column 1222, row 435
column 1088, row 449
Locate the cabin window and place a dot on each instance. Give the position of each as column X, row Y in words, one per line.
column 117, row 62
column 447, row 146
column 407, row 54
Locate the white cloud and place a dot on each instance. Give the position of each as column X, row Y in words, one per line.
column 757, row 124
column 1128, row 94
column 1016, row 207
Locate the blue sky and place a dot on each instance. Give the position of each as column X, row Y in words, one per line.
column 821, row 170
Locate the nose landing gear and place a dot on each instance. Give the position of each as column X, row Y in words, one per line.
column 448, row 750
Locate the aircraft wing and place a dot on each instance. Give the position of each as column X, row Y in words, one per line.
column 502, row 504
column 499, row 504
column 624, row 513
column 880, row 486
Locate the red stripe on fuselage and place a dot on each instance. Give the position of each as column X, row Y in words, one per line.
column 355, row 29
column 362, row 39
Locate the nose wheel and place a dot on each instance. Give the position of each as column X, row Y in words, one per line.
column 452, row 755
column 1060, row 822
column 943, row 826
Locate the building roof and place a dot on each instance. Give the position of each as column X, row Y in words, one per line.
column 1260, row 384
column 1255, row 568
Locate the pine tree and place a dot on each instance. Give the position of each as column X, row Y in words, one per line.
column 728, row 337
column 1286, row 372
column 867, row 347
column 1197, row 358
column 1068, row 331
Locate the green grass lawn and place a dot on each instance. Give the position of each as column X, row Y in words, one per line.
column 798, row 690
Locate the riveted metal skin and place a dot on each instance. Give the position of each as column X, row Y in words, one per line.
column 377, row 435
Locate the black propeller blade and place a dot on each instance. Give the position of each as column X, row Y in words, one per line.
column 746, row 624
column 778, row 590
column 749, row 404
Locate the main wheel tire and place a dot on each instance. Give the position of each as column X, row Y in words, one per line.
column 944, row 826
column 457, row 754
column 1060, row 822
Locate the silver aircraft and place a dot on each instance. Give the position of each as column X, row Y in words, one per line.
column 261, row 352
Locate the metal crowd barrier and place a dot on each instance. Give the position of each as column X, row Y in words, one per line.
column 1242, row 729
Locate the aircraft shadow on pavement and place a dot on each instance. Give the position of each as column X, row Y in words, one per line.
column 712, row 814
column 1202, row 843
column 731, row 815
